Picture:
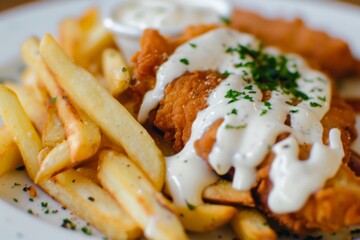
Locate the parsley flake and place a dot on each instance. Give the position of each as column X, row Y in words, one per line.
column 228, row 126
column 322, row 98
column 193, row 45
column 225, row 20
column 233, row 95
column 86, row 230
column 315, row 104
column 190, row 206
column 53, row 100
column 68, row 224
column 293, row 111
column 184, row 61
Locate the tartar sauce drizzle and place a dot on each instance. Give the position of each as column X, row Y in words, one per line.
column 163, row 13
column 250, row 126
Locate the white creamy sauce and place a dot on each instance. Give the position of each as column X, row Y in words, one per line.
column 250, row 126
column 163, row 13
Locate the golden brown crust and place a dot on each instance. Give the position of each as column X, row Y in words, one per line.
column 329, row 54
column 335, row 205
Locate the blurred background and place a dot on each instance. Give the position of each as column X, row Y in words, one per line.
column 6, row 4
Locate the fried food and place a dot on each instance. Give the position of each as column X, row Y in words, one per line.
column 187, row 95
column 329, row 54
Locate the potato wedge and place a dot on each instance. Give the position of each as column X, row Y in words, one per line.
column 22, row 131
column 93, row 204
column 10, row 157
column 222, row 192
column 116, row 71
column 205, row 217
column 114, row 120
column 249, row 224
column 132, row 190
column 83, row 135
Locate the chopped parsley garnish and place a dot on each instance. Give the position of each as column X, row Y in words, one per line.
column 268, row 105
column 190, row 206
column 233, row 111
column 68, row 224
column 322, row 98
column 15, row 200
column 193, row 45
column 248, row 87
column 30, row 211
column 226, row 73
column 47, row 211
column 184, row 61
column 293, row 111
column 124, row 69
column 247, row 97
column 233, row 95
column 44, row 204
column 86, row 230
column 31, row 199
column 263, row 112
column 269, row 72
column 16, row 184
column 315, row 104
column 228, row 126
column 225, row 20
column 53, row 100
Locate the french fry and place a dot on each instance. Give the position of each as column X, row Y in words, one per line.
column 34, row 108
column 249, row 224
column 93, row 204
column 93, row 44
column 56, row 161
column 114, row 120
column 31, row 81
column 130, row 187
column 83, row 135
column 89, row 20
column 69, row 188
column 69, row 36
column 205, row 217
column 116, row 71
column 222, row 192
column 21, row 129
column 10, row 157
column 54, row 132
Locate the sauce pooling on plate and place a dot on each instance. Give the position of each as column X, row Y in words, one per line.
column 251, row 125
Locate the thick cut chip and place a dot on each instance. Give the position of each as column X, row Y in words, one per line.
column 205, row 217
column 131, row 188
column 116, row 71
column 114, row 120
column 83, row 135
column 249, row 224
column 10, row 157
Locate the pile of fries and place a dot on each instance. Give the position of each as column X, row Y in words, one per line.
column 86, row 150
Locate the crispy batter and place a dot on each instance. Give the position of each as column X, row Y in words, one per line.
column 335, row 205
column 330, row 54
column 184, row 98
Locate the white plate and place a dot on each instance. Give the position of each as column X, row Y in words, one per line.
column 339, row 20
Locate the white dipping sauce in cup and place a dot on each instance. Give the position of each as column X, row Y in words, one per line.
column 128, row 19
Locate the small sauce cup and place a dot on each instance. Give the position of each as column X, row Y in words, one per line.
column 129, row 18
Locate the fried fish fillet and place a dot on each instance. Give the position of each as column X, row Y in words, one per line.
column 329, row 54
column 335, row 205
